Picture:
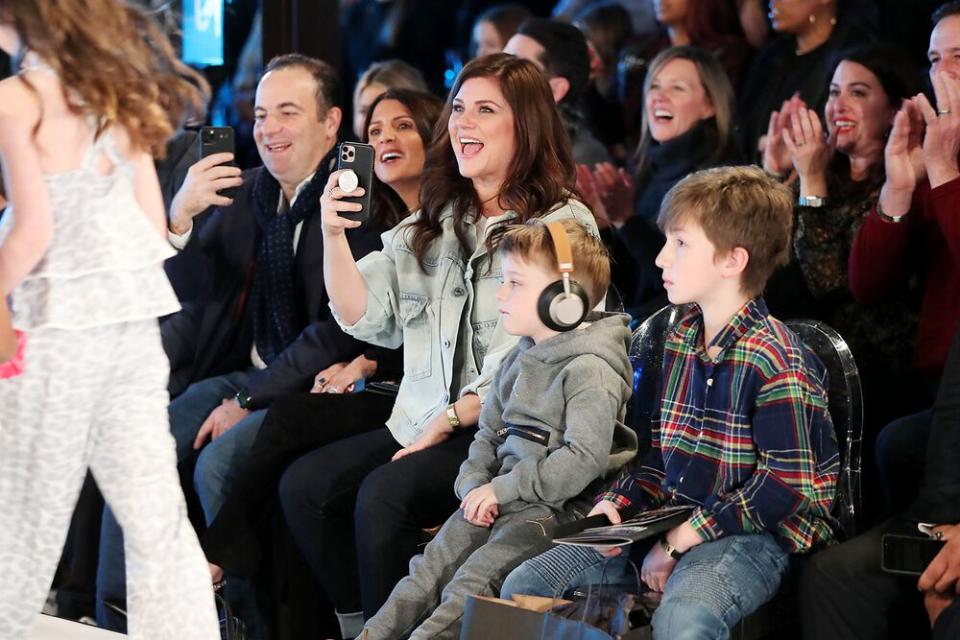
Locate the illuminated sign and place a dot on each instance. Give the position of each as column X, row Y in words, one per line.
column 203, row 32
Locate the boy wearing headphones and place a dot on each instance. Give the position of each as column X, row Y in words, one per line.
column 551, row 430
column 744, row 435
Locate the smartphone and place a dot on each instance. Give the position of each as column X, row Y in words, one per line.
column 358, row 158
column 218, row 140
column 908, row 555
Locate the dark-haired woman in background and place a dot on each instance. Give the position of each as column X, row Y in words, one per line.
column 687, row 125
column 494, row 27
column 399, row 125
column 504, row 155
column 798, row 60
column 840, row 171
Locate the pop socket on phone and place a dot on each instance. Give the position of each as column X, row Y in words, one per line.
column 348, row 181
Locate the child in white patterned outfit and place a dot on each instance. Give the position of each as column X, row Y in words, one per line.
column 98, row 89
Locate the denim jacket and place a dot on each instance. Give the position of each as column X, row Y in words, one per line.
column 424, row 312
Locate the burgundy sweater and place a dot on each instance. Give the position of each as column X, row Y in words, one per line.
column 926, row 241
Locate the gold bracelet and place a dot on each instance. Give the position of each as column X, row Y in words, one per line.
column 452, row 417
column 886, row 217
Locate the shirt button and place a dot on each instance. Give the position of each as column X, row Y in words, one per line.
column 709, row 382
column 446, row 343
column 459, row 291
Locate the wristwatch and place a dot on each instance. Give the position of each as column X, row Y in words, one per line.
column 452, row 417
column 886, row 217
column 243, row 399
column 670, row 550
column 811, row 201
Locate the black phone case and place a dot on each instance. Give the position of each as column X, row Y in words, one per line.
column 908, row 555
column 218, row 140
column 358, row 158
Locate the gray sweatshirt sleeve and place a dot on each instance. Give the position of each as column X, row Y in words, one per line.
column 482, row 463
column 591, row 415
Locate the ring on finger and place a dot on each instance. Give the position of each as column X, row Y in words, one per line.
column 943, row 112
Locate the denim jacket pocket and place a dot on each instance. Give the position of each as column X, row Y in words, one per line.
column 417, row 343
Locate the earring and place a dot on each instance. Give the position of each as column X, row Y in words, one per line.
column 833, row 21
column 813, row 18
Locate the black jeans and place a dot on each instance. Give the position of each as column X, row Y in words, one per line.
column 844, row 594
column 295, row 425
column 358, row 518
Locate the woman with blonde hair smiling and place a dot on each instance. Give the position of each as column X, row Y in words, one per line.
column 687, row 125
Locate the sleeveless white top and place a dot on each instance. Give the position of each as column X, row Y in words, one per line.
column 104, row 264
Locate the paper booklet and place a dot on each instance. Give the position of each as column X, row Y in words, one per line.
column 645, row 524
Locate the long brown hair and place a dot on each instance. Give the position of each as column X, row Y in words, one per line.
column 387, row 208
column 540, row 175
column 114, row 62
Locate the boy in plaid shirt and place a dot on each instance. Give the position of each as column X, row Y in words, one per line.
column 744, row 434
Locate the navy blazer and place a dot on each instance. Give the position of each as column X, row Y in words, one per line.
column 214, row 335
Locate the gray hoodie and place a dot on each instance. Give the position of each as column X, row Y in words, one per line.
column 551, row 428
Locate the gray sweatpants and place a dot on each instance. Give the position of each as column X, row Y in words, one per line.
column 97, row 398
column 462, row 560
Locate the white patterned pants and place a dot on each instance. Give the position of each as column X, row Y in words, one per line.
column 97, row 398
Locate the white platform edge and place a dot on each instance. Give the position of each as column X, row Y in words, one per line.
column 50, row 628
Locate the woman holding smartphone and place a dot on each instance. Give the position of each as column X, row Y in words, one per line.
column 503, row 156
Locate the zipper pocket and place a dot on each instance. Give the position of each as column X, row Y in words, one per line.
column 533, row 434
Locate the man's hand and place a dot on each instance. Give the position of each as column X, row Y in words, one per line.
column 943, row 572
column 657, row 567
column 436, row 432
column 480, row 507
column 941, row 144
column 903, row 160
column 199, row 190
column 610, row 510
column 935, row 603
column 220, row 421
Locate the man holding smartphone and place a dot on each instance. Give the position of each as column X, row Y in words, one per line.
column 263, row 329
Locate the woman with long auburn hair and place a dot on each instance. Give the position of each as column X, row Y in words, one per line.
column 500, row 154
column 97, row 93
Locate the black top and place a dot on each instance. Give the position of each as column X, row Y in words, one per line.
column 635, row 246
column 778, row 72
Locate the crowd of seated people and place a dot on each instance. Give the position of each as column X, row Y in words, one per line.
column 345, row 388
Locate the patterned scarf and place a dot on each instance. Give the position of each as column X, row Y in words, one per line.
column 278, row 319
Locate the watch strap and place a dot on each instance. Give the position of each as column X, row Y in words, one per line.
column 670, row 550
column 243, row 399
column 886, row 217
column 811, row 201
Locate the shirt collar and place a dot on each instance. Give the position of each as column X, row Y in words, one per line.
column 690, row 327
column 283, row 205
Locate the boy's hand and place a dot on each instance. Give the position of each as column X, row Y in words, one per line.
column 610, row 510
column 480, row 507
column 657, row 567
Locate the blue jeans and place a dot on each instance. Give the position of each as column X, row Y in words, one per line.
column 216, row 469
column 711, row 588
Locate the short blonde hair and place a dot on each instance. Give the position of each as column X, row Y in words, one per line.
column 591, row 262
column 736, row 207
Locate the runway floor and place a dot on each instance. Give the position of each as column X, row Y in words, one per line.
column 50, row 628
